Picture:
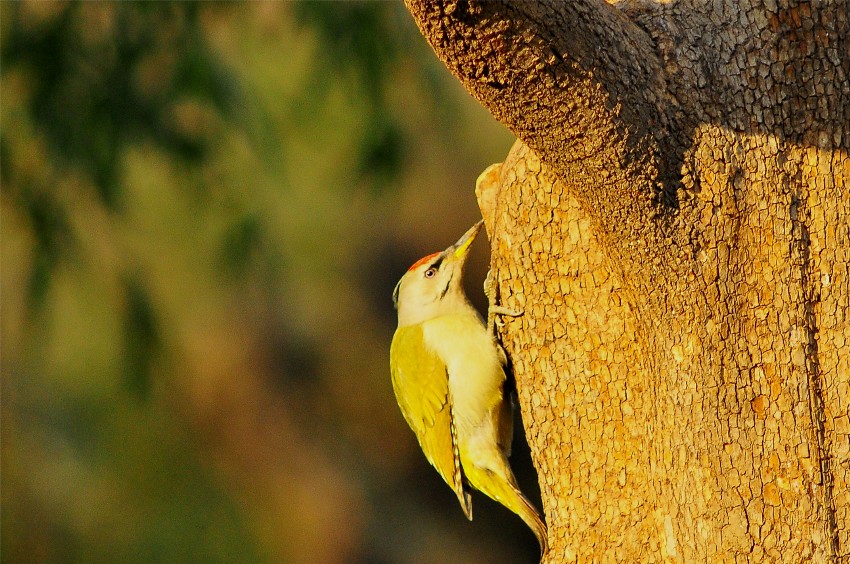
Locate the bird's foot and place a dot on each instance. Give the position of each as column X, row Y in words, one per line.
column 494, row 310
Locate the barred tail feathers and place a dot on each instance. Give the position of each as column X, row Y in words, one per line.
column 462, row 492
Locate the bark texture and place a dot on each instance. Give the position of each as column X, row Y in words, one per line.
column 674, row 223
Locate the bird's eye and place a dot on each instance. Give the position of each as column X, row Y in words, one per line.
column 431, row 272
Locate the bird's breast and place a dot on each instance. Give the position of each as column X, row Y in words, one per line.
column 472, row 361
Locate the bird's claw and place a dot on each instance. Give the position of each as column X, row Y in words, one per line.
column 494, row 309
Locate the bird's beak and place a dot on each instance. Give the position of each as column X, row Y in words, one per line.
column 460, row 249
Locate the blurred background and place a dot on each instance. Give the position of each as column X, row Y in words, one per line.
column 205, row 208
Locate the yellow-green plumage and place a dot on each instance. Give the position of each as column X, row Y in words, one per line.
column 421, row 387
column 448, row 377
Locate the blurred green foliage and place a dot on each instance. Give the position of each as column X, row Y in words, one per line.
column 361, row 42
column 102, row 78
column 205, row 207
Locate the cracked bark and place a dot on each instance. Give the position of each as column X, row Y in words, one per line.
column 674, row 222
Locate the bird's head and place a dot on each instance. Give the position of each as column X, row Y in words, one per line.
column 433, row 286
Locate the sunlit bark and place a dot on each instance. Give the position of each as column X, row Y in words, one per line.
column 674, row 223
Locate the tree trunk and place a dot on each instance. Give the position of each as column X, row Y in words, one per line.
column 674, row 224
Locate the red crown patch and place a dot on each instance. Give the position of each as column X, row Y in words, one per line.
column 422, row 261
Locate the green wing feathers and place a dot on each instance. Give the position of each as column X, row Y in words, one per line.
column 421, row 386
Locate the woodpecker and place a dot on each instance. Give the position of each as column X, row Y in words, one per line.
column 448, row 376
